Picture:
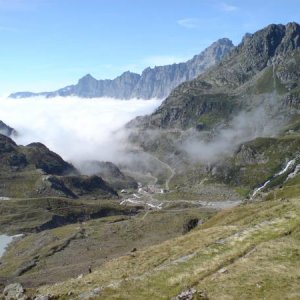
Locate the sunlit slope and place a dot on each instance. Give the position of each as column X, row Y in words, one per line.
column 248, row 252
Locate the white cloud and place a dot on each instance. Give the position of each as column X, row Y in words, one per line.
column 77, row 129
column 189, row 23
column 228, row 7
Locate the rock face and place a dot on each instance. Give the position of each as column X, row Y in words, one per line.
column 264, row 63
column 152, row 83
column 14, row 291
column 6, row 130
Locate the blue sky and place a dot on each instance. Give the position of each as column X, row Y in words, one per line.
column 47, row 44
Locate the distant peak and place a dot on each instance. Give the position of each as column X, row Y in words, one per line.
column 224, row 41
column 88, row 76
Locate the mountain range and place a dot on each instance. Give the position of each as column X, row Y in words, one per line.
column 155, row 226
column 152, row 83
column 264, row 63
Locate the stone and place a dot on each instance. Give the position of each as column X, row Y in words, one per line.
column 41, row 297
column 186, row 295
column 14, row 291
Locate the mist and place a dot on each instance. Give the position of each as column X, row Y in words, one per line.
column 246, row 126
column 77, row 129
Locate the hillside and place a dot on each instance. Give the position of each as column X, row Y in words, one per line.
column 209, row 206
column 211, row 262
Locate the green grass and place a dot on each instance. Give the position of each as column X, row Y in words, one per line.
column 94, row 242
column 261, row 237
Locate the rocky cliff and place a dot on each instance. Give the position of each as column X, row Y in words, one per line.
column 152, row 83
column 265, row 63
column 6, row 130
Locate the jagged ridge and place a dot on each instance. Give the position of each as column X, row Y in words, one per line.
column 152, row 83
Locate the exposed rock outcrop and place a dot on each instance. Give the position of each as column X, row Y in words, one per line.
column 265, row 62
column 7, row 130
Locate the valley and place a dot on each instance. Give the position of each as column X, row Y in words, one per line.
column 201, row 201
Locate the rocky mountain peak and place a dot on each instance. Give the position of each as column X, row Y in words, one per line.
column 87, row 78
column 154, row 82
column 7, row 130
column 273, row 40
column 213, row 94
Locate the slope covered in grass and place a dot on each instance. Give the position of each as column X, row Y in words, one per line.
column 247, row 252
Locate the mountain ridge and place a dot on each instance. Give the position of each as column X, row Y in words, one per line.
column 154, row 82
column 222, row 87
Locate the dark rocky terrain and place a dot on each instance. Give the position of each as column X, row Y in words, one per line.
column 264, row 63
column 35, row 171
column 6, row 130
column 152, row 83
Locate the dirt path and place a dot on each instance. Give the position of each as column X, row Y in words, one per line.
column 172, row 171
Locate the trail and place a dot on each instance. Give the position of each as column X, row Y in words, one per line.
column 172, row 171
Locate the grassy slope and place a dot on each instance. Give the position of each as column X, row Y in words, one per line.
column 27, row 215
column 248, row 252
column 56, row 252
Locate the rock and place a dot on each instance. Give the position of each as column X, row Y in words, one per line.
column 6, row 130
column 223, row 271
column 41, row 297
column 186, row 295
column 154, row 82
column 214, row 95
column 14, row 291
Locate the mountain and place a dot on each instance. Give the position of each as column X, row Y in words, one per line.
column 152, row 83
column 264, row 63
column 6, row 130
column 230, row 139
column 36, row 171
column 236, row 124
column 110, row 173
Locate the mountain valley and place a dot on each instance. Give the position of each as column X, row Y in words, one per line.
column 205, row 204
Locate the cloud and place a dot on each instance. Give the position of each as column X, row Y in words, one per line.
column 77, row 129
column 244, row 127
column 161, row 60
column 189, row 23
column 228, row 7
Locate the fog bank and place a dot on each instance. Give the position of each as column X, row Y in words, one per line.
column 77, row 129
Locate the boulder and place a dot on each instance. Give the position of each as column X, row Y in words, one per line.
column 14, row 291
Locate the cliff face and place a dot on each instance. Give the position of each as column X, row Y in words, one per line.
column 152, row 83
column 265, row 63
column 6, row 130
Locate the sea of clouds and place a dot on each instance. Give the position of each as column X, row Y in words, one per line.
column 77, row 129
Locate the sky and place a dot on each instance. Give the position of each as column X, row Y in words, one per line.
column 48, row 44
